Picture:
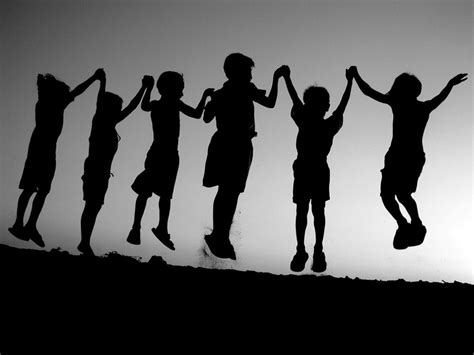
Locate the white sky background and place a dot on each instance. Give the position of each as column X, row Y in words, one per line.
column 318, row 40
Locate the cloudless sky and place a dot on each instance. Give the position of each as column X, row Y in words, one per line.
column 318, row 40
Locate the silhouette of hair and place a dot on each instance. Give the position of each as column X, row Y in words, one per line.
column 49, row 86
column 316, row 95
column 111, row 101
column 405, row 85
column 236, row 63
column 169, row 82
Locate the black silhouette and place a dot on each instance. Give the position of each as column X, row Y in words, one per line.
column 162, row 161
column 103, row 144
column 310, row 169
column 230, row 151
column 40, row 165
column 405, row 158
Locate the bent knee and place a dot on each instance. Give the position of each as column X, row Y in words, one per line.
column 404, row 197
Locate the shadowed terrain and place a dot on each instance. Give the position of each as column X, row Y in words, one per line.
column 47, row 297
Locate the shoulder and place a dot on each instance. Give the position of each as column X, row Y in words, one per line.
column 255, row 91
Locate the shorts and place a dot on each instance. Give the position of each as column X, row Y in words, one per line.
column 311, row 181
column 228, row 162
column 400, row 174
column 159, row 176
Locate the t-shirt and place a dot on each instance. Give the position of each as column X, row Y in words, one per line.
column 234, row 108
column 315, row 135
column 165, row 123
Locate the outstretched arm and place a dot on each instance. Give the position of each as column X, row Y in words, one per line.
column 366, row 89
column 270, row 100
column 146, row 97
column 291, row 88
column 196, row 112
column 79, row 89
column 135, row 101
column 347, row 93
column 438, row 99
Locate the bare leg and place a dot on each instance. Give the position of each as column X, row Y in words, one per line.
column 22, row 204
column 36, row 208
column 319, row 224
column 89, row 216
column 410, row 205
column 224, row 208
column 393, row 208
column 140, row 206
column 300, row 223
column 164, row 206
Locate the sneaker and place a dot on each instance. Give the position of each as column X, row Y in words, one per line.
column 319, row 262
column 299, row 261
column 164, row 238
column 400, row 240
column 220, row 249
column 19, row 232
column 85, row 249
column 134, row 236
column 34, row 236
column 418, row 233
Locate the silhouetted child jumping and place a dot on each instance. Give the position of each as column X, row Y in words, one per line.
column 40, row 165
column 405, row 158
column 162, row 161
column 310, row 169
column 230, row 151
column 103, row 144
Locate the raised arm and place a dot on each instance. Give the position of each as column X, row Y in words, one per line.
column 196, row 112
column 146, row 97
column 438, row 99
column 136, row 100
column 366, row 89
column 290, row 87
column 79, row 89
column 270, row 100
column 347, row 93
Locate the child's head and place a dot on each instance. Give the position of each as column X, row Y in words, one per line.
column 111, row 103
column 316, row 99
column 50, row 88
column 405, row 86
column 170, row 84
column 238, row 67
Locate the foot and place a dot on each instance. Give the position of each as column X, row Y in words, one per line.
column 299, row 261
column 221, row 249
column 134, row 236
column 400, row 240
column 18, row 232
column 34, row 236
column 85, row 249
column 164, row 238
column 319, row 261
column 417, row 235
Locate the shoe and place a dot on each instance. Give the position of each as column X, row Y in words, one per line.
column 134, row 236
column 299, row 261
column 418, row 233
column 220, row 249
column 19, row 232
column 34, row 236
column 319, row 262
column 85, row 249
column 164, row 238
column 400, row 240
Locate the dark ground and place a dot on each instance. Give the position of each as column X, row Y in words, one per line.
column 53, row 298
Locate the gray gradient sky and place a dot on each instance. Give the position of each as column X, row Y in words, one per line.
column 318, row 40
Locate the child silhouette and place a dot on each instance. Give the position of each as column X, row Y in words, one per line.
column 230, row 151
column 405, row 158
column 310, row 169
column 162, row 161
column 40, row 165
column 103, row 144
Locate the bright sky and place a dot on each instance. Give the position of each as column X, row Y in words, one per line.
column 318, row 40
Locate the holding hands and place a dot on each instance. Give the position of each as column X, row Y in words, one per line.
column 100, row 74
column 282, row 71
column 208, row 92
column 148, row 81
